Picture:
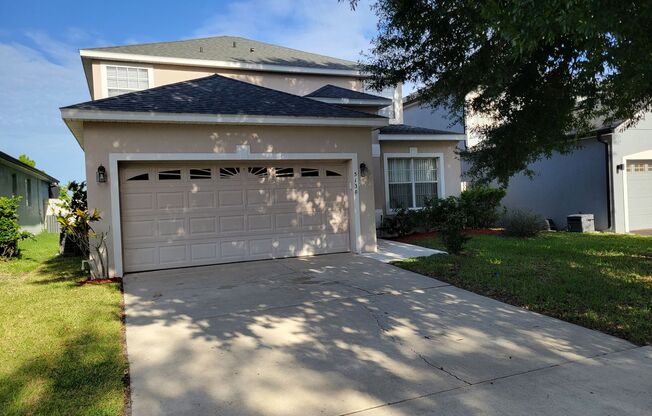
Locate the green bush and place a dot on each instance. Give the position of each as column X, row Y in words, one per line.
column 402, row 223
column 10, row 233
column 523, row 224
column 450, row 222
column 481, row 206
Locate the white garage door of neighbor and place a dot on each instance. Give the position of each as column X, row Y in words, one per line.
column 177, row 215
column 639, row 194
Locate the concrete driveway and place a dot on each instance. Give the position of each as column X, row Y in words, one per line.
column 343, row 334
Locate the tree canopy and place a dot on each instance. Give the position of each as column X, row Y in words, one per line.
column 540, row 72
column 26, row 160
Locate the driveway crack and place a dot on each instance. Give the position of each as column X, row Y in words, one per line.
column 385, row 331
column 425, row 360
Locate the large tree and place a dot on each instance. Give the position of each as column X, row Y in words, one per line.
column 542, row 71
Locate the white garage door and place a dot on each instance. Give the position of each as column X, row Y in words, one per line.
column 639, row 194
column 176, row 215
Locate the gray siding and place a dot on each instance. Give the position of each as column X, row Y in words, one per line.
column 437, row 118
column 563, row 185
column 32, row 214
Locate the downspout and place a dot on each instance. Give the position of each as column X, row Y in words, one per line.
column 607, row 161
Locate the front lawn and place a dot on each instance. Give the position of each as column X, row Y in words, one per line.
column 60, row 343
column 600, row 281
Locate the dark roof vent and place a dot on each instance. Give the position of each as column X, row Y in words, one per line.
column 201, row 49
column 251, row 50
column 234, row 44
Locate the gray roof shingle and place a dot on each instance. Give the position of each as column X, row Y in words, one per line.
column 332, row 91
column 233, row 49
column 217, row 94
column 405, row 129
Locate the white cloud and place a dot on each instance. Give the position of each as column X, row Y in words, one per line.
column 35, row 81
column 327, row 27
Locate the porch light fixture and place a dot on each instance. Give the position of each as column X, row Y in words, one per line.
column 101, row 174
column 363, row 170
column 620, row 168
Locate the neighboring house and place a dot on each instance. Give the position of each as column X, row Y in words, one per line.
column 226, row 149
column 609, row 176
column 33, row 186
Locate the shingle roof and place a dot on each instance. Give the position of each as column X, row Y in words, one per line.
column 233, row 49
column 405, row 129
column 35, row 171
column 216, row 94
column 332, row 91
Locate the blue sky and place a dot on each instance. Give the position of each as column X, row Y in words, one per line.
column 41, row 70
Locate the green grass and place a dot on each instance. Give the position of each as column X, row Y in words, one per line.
column 60, row 343
column 600, row 281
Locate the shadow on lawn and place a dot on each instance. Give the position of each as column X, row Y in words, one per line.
column 58, row 269
column 79, row 375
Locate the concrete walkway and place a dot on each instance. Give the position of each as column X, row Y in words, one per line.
column 344, row 334
column 389, row 251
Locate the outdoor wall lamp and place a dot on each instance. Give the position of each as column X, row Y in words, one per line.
column 620, row 168
column 101, row 174
column 363, row 170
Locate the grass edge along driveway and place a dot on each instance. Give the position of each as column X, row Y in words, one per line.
column 60, row 350
column 599, row 281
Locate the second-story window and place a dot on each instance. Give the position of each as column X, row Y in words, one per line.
column 122, row 79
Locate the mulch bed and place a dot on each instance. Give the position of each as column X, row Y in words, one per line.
column 99, row 281
column 432, row 234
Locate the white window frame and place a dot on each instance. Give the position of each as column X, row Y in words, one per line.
column 414, row 154
column 105, row 83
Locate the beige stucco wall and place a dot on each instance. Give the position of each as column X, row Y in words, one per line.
column 299, row 84
column 452, row 169
column 101, row 139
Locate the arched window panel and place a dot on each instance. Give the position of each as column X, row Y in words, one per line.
column 228, row 172
column 309, row 172
column 258, row 171
column 201, row 173
column 169, row 175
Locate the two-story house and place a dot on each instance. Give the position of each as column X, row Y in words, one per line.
column 226, row 149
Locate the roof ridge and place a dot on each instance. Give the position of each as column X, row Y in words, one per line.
column 158, row 42
column 223, row 37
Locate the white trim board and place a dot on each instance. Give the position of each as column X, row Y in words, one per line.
column 414, row 154
column 154, row 117
column 241, row 154
column 422, row 137
column 208, row 63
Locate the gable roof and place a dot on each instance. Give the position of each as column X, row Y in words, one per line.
column 332, row 91
column 230, row 49
column 27, row 168
column 217, row 95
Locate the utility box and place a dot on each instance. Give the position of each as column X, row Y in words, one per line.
column 581, row 223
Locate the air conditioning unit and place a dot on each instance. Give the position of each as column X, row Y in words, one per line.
column 581, row 223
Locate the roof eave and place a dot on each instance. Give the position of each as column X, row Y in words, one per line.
column 72, row 115
column 354, row 102
column 421, row 137
column 27, row 169
column 128, row 57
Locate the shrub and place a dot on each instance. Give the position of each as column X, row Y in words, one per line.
column 523, row 224
column 480, row 205
column 10, row 233
column 450, row 222
column 401, row 223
